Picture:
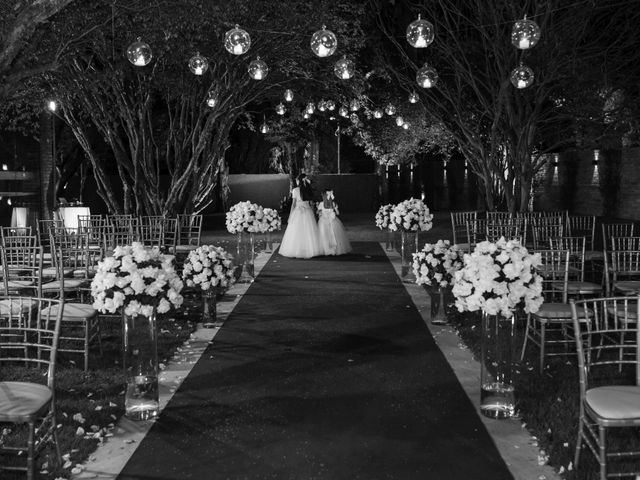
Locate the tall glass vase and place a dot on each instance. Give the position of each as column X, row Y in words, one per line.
column 408, row 246
column 245, row 256
column 497, row 398
column 389, row 244
column 438, row 311
column 141, row 367
column 268, row 242
column 209, row 312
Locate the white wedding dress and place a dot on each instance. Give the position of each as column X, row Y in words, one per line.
column 301, row 238
column 333, row 237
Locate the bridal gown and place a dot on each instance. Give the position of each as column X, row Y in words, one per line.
column 333, row 237
column 301, row 238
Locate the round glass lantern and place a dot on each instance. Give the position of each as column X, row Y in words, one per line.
column 405, row 125
column 390, row 109
column 354, row 105
column 324, row 43
column 420, row 33
column 354, row 118
column 413, row 97
column 377, row 113
column 427, row 76
column 288, row 95
column 322, row 105
column 139, row 53
column 522, row 76
column 399, row 121
column 344, row 68
column 310, row 108
column 343, row 111
column 237, row 41
column 306, row 115
column 212, row 98
column 525, row 34
column 258, row 69
column 280, row 109
column 198, row 64
column 331, row 105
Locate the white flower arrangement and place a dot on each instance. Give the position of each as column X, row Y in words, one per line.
column 383, row 216
column 244, row 217
column 436, row 264
column 138, row 279
column 207, row 267
column 410, row 216
column 497, row 278
column 271, row 221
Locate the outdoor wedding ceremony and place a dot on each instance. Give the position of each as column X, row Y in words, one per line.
column 329, row 240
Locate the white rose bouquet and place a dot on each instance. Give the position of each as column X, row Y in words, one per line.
column 207, row 267
column 271, row 221
column 436, row 263
column 138, row 279
column 497, row 278
column 410, row 216
column 383, row 216
column 244, row 217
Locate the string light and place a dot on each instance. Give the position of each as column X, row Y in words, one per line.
column 420, row 33
column 139, row 53
column 198, row 64
column 324, row 43
column 237, row 41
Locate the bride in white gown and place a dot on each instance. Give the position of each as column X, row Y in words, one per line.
column 301, row 238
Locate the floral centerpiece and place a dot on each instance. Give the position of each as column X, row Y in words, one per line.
column 497, row 278
column 271, row 221
column 207, row 267
column 244, row 217
column 436, row 263
column 410, row 216
column 138, row 279
column 383, row 216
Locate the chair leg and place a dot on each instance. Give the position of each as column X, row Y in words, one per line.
column 31, row 465
column 542, row 343
column 86, row 345
column 576, row 459
column 602, row 458
column 526, row 337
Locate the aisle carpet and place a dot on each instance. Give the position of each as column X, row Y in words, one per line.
column 324, row 370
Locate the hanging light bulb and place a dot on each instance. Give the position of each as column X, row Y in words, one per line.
column 310, row 108
column 139, row 53
column 343, row 112
column 324, row 42
column 280, row 109
column 399, row 121
column 322, row 106
column 525, row 34
column 405, row 125
column 52, row 106
column 377, row 113
column 198, row 64
column 331, row 105
column 427, row 76
column 258, row 69
column 390, row 109
column 420, row 33
column 354, row 105
column 305, row 116
column 264, row 128
column 212, row 98
column 237, row 41
column 288, row 95
column 522, row 76
column 344, row 68
column 413, row 97
column 8, row 201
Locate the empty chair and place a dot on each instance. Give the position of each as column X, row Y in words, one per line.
column 576, row 285
column 95, row 226
column 170, row 234
column 625, row 272
column 510, row 231
column 459, row 227
column 189, row 231
column 29, row 331
column 22, row 270
column 544, row 228
column 610, row 230
column 151, row 230
column 583, row 226
column 500, row 217
column 15, row 231
column 609, row 372
column 476, row 232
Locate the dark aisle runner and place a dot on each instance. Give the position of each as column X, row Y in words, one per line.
column 324, row 370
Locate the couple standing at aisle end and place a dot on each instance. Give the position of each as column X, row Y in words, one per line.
column 306, row 238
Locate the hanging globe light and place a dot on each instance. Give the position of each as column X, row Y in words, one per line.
column 52, row 106
column 413, row 97
column 258, row 70
column 354, row 105
column 377, row 113
column 525, row 34
column 264, row 128
column 354, row 118
column 237, row 41
column 280, row 109
column 427, row 76
column 212, row 98
column 522, row 76
column 399, row 121
column 322, row 106
column 310, row 108
column 344, row 68
column 324, row 43
column 288, row 95
column 343, row 112
column 139, row 53
column 390, row 109
column 420, row 33
column 198, row 64
column 405, row 125
column 331, row 105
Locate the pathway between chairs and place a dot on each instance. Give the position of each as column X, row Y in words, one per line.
column 324, row 370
